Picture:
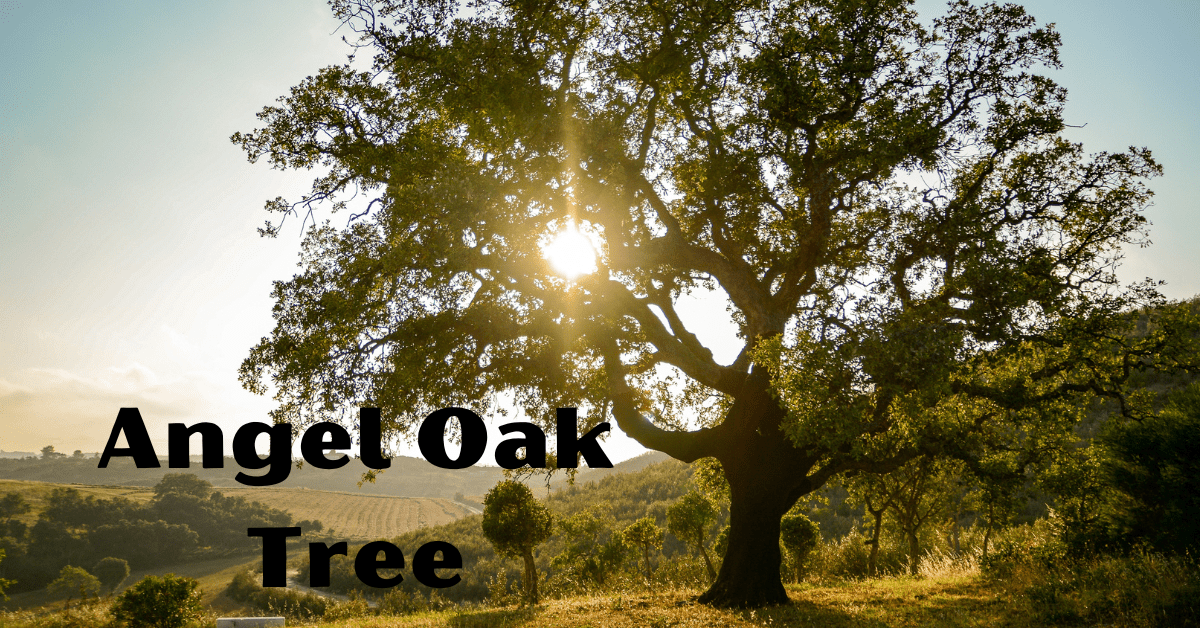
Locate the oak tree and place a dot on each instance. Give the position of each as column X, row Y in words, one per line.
column 917, row 262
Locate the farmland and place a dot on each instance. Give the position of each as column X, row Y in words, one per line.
column 355, row 516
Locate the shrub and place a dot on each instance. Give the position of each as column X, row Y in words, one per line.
column 397, row 602
column 800, row 536
column 74, row 580
column 1139, row 589
column 347, row 609
column 1155, row 470
column 291, row 604
column 111, row 572
column 168, row 601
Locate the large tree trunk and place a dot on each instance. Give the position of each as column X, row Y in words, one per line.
column 749, row 575
column 765, row 475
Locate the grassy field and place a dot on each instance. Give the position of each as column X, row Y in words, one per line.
column 881, row 603
column 901, row 602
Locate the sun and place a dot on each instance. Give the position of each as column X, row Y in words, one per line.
column 571, row 253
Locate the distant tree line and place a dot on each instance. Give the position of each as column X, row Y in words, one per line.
column 184, row 519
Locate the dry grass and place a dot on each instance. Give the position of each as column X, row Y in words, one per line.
column 943, row 602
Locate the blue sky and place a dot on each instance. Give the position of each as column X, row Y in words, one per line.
column 132, row 274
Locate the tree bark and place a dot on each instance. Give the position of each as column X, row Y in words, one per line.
column 765, row 475
column 873, row 557
column 531, row 591
column 749, row 575
column 987, row 535
column 913, row 553
column 712, row 573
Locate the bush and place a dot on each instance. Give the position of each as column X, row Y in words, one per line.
column 76, row 580
column 168, row 601
column 347, row 609
column 1139, row 589
column 397, row 602
column 111, row 572
column 800, row 536
column 290, row 604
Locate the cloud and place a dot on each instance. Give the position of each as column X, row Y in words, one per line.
column 69, row 410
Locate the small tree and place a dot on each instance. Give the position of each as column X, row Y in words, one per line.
column 585, row 556
column 645, row 535
column 168, row 601
column 800, row 536
column 183, row 484
column 48, row 453
column 12, row 505
column 515, row 523
column 689, row 519
column 112, row 572
column 76, row 580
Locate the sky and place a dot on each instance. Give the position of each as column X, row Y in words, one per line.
column 131, row 273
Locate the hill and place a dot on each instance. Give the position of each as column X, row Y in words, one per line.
column 407, row 477
column 354, row 516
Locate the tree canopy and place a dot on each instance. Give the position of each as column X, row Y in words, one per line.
column 917, row 261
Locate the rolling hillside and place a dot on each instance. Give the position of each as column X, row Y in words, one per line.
column 407, row 477
column 353, row 516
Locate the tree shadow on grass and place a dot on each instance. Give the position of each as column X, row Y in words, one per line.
column 496, row 618
column 806, row 613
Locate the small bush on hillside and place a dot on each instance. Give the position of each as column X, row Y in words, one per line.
column 75, row 582
column 346, row 609
column 168, row 601
column 800, row 536
column 398, row 602
column 290, row 604
column 111, row 572
column 847, row 557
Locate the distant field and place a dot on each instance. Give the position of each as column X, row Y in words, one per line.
column 357, row 516
column 360, row 517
